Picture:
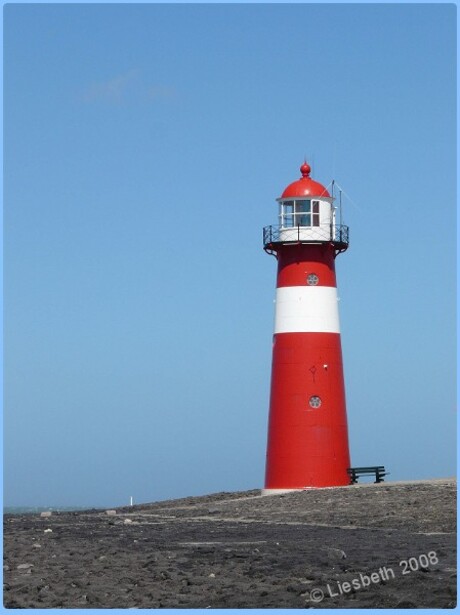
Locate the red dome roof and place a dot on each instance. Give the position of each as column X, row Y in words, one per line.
column 305, row 186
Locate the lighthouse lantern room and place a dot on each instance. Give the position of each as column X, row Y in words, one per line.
column 307, row 431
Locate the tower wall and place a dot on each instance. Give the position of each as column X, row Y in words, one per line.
column 307, row 434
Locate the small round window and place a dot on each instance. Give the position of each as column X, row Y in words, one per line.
column 315, row 401
column 312, row 279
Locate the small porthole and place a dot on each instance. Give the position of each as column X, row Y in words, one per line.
column 312, row 279
column 315, row 401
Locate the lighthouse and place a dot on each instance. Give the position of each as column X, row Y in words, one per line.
column 307, row 429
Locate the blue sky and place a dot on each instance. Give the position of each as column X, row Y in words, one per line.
column 144, row 148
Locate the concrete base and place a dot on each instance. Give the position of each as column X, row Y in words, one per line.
column 280, row 491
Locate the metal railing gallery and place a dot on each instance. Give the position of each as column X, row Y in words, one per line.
column 337, row 234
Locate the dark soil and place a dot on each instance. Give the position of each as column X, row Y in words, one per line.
column 326, row 548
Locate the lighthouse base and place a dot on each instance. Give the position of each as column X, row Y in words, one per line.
column 281, row 491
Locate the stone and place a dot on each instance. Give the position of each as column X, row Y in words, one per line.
column 25, row 566
column 45, row 514
column 110, row 513
column 336, row 553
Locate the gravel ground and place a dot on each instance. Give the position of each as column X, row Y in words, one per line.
column 391, row 545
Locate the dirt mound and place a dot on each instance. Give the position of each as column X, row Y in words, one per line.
column 391, row 545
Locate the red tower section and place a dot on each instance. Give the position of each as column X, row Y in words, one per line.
column 307, row 432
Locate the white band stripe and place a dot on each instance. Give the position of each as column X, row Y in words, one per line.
column 306, row 309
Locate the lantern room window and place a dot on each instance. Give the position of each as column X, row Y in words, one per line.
column 300, row 212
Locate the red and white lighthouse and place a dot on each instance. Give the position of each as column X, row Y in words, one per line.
column 307, row 432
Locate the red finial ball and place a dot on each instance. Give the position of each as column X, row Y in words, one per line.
column 305, row 169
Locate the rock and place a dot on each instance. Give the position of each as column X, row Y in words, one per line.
column 110, row 513
column 47, row 531
column 127, row 521
column 336, row 553
column 25, row 567
column 45, row 514
column 37, row 545
column 212, row 575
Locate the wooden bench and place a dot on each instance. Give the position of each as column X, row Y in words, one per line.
column 378, row 471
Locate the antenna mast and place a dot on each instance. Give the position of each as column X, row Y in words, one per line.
column 340, row 206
